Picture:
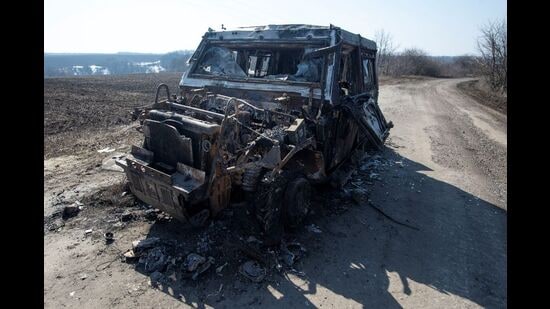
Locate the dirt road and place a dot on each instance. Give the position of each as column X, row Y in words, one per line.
column 443, row 172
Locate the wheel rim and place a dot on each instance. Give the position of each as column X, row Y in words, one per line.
column 297, row 201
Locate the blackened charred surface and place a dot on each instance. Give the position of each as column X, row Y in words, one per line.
column 263, row 98
column 299, row 33
column 258, row 124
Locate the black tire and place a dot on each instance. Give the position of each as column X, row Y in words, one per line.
column 267, row 208
column 296, row 202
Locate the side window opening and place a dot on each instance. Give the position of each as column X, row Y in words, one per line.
column 349, row 78
column 258, row 65
column 265, row 66
column 368, row 77
column 252, row 61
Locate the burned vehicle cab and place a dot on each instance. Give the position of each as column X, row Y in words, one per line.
column 263, row 113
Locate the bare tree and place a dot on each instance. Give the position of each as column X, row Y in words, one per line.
column 465, row 65
column 458, row 66
column 386, row 49
column 414, row 61
column 492, row 45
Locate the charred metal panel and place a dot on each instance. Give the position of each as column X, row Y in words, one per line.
column 272, row 86
column 259, row 108
column 296, row 132
column 169, row 146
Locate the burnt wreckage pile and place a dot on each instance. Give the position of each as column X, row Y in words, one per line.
column 263, row 113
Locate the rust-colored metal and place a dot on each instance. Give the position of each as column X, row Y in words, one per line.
column 220, row 192
column 258, row 108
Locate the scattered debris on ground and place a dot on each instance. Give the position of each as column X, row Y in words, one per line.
column 314, row 229
column 72, row 210
column 253, row 271
column 208, row 251
column 104, row 150
column 74, row 278
column 109, row 237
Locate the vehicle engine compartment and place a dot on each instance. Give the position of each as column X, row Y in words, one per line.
column 256, row 125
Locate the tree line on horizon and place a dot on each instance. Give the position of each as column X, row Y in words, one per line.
column 491, row 63
column 57, row 65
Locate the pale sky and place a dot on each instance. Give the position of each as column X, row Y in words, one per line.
column 441, row 27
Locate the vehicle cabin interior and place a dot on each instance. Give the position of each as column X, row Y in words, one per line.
column 356, row 71
column 265, row 63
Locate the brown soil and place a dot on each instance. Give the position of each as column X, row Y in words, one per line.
column 434, row 175
column 76, row 109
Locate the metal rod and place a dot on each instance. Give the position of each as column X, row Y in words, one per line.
column 158, row 92
column 197, row 110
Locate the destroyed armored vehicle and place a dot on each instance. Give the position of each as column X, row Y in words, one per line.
column 263, row 114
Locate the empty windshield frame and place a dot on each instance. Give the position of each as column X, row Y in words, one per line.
column 273, row 45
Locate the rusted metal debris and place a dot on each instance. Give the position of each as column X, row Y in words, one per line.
column 253, row 270
column 263, row 114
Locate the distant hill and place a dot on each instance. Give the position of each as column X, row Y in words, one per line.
column 69, row 64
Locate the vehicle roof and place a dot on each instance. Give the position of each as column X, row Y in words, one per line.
column 289, row 32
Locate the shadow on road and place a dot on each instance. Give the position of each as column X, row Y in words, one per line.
column 459, row 249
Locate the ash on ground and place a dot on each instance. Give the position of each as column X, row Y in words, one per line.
column 224, row 248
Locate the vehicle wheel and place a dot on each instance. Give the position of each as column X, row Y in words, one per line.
column 267, row 204
column 270, row 219
column 200, row 218
column 296, row 202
